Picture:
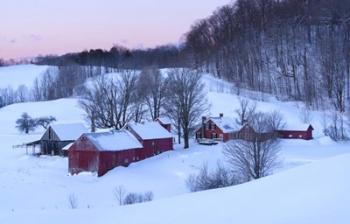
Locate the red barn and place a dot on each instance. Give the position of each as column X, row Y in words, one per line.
column 300, row 132
column 101, row 152
column 219, row 128
column 154, row 138
column 165, row 122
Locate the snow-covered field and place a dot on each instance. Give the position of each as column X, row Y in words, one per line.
column 15, row 76
column 310, row 186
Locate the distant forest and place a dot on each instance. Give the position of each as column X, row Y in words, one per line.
column 296, row 50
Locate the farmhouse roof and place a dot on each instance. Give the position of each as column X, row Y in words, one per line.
column 69, row 132
column 226, row 124
column 114, row 140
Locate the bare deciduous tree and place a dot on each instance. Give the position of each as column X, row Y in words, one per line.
column 108, row 102
column 245, row 111
column 252, row 159
column 119, row 194
column 257, row 157
column 152, row 86
column 185, row 101
column 26, row 123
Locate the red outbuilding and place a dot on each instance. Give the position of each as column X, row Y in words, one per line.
column 300, row 132
column 218, row 128
column 101, row 152
column 154, row 138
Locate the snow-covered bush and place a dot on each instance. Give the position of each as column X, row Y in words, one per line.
column 125, row 198
column 205, row 180
column 72, row 201
column 336, row 130
column 133, row 198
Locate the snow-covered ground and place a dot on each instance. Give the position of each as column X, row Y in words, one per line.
column 309, row 187
column 315, row 193
column 17, row 75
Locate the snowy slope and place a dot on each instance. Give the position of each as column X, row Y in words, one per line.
column 17, row 75
column 314, row 193
column 36, row 188
column 64, row 110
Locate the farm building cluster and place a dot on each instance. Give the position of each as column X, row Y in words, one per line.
column 102, row 151
column 225, row 129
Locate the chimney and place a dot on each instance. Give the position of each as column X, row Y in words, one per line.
column 221, row 115
column 203, row 126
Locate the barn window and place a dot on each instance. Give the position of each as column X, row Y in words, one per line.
column 300, row 136
column 290, row 136
column 126, row 161
column 133, row 158
column 137, row 158
column 153, row 143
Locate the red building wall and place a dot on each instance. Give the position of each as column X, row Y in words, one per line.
column 306, row 135
column 155, row 146
column 82, row 156
column 109, row 160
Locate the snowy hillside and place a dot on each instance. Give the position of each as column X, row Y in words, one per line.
column 17, row 75
column 38, row 188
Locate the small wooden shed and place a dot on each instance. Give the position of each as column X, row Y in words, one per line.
column 57, row 136
column 101, row 152
column 297, row 132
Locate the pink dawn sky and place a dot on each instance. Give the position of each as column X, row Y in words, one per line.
column 32, row 27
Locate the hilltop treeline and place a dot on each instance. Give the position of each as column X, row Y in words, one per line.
column 122, row 58
column 294, row 49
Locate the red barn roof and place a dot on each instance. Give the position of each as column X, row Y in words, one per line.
column 150, row 130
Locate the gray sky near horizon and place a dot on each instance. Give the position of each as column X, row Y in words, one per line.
column 33, row 27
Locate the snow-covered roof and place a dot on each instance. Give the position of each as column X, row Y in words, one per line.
column 66, row 148
column 150, row 130
column 114, row 140
column 69, row 132
column 226, row 124
column 164, row 120
column 296, row 127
